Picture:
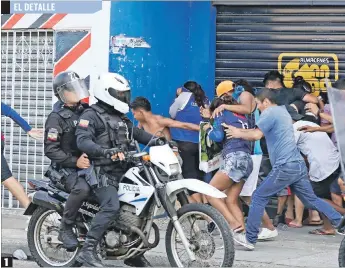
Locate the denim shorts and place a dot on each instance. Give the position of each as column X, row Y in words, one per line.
column 237, row 165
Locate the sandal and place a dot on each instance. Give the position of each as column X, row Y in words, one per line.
column 306, row 222
column 293, row 225
column 319, row 232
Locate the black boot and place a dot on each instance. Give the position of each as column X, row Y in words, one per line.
column 87, row 255
column 139, row 261
column 68, row 237
column 96, row 255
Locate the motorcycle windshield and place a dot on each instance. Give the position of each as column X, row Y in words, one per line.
column 336, row 99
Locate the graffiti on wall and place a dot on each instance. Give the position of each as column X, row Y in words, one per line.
column 119, row 43
column 315, row 68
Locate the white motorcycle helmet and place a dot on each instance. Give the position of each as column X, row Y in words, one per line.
column 114, row 90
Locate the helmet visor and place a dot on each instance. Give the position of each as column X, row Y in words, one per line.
column 74, row 91
column 124, row 96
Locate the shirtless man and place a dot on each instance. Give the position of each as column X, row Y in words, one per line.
column 151, row 123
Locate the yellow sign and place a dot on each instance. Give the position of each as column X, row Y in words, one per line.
column 313, row 67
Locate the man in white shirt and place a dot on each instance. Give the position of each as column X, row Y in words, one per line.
column 324, row 167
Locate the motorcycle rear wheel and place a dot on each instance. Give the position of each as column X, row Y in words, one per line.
column 189, row 212
column 36, row 246
column 341, row 256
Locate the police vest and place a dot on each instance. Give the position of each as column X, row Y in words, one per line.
column 68, row 140
column 116, row 134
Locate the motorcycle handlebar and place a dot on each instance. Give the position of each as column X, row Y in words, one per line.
column 108, row 153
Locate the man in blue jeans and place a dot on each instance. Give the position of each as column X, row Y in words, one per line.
column 288, row 166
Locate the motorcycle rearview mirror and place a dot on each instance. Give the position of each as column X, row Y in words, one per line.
column 134, row 143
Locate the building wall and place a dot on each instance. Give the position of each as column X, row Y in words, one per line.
column 35, row 48
column 303, row 41
column 181, row 36
column 252, row 39
column 80, row 40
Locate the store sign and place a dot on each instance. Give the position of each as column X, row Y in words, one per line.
column 313, row 67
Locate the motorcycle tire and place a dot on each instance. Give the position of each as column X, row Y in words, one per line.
column 341, row 256
column 217, row 218
column 35, row 219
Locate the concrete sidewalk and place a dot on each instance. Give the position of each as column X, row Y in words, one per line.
column 293, row 247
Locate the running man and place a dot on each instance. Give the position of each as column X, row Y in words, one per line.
column 7, row 179
column 288, row 166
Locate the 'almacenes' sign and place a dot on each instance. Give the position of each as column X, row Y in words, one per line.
column 313, row 67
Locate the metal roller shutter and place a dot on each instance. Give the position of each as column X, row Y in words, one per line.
column 26, row 85
column 300, row 40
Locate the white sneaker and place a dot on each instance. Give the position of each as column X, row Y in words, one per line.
column 240, row 238
column 267, row 234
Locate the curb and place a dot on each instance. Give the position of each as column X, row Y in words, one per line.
column 13, row 211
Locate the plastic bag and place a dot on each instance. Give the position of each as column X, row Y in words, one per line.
column 209, row 152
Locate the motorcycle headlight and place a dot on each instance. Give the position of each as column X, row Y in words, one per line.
column 175, row 169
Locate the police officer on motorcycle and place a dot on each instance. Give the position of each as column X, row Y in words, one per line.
column 60, row 147
column 104, row 134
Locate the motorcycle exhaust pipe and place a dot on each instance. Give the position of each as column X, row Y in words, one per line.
column 133, row 229
column 141, row 234
column 43, row 199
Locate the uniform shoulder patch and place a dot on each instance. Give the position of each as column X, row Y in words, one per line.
column 52, row 134
column 83, row 123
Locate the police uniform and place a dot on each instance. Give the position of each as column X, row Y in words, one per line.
column 101, row 127
column 61, row 148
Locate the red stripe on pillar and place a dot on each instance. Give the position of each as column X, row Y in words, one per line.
column 71, row 56
column 12, row 21
column 53, row 21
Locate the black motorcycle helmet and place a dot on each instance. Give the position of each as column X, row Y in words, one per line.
column 69, row 87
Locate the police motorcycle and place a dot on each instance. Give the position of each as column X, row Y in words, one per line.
column 149, row 188
column 336, row 99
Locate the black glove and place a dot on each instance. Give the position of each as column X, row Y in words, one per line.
column 108, row 153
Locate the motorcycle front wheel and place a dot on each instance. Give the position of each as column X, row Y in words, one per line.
column 208, row 234
column 341, row 256
column 42, row 233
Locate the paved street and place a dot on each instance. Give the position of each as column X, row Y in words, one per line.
column 293, row 248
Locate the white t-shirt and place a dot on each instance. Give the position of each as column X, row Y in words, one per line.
column 322, row 155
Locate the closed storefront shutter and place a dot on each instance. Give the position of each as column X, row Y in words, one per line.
column 301, row 40
column 26, row 85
